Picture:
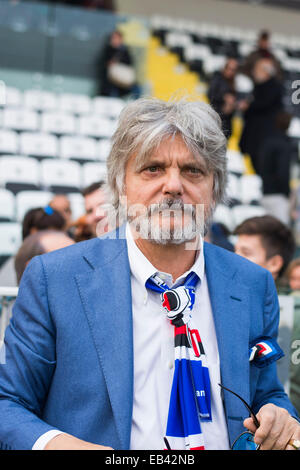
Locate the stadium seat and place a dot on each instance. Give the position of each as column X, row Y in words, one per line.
column 223, row 215
column 235, row 162
column 26, row 200
column 13, row 97
column 20, row 119
column 78, row 147
column 77, row 204
column 58, row 123
column 294, row 128
column 8, row 141
column 107, row 106
column 74, row 104
column 18, row 173
column 103, row 150
column 233, row 189
column 40, row 100
column 37, row 144
column 60, row 175
column 7, row 205
column 11, row 238
column 251, row 189
column 93, row 172
column 242, row 212
column 96, row 126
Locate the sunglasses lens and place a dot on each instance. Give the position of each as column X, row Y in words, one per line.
column 245, row 442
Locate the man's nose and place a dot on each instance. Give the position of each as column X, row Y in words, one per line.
column 173, row 183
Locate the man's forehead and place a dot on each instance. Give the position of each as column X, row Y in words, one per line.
column 171, row 149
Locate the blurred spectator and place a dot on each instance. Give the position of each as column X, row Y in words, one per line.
column 266, row 241
column 115, row 68
column 61, row 204
column 218, row 234
column 95, row 217
column 222, row 93
column 262, row 51
column 293, row 276
column 37, row 244
column 274, row 164
column 42, row 219
column 260, row 112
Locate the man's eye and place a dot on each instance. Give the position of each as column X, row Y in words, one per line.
column 194, row 170
column 152, row 169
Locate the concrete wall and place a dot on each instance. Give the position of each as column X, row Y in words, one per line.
column 229, row 13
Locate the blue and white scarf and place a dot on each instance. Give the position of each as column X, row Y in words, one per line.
column 190, row 400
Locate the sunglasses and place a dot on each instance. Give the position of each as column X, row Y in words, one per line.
column 244, row 441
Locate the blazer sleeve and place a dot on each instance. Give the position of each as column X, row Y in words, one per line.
column 29, row 363
column 269, row 389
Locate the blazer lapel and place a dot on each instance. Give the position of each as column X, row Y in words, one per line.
column 106, row 296
column 230, row 305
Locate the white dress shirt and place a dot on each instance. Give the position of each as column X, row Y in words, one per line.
column 153, row 343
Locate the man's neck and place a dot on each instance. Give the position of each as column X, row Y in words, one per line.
column 169, row 258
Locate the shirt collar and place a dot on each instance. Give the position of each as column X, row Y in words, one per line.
column 142, row 269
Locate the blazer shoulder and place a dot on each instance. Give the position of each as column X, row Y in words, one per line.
column 229, row 261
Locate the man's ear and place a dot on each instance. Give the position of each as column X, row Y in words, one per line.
column 274, row 265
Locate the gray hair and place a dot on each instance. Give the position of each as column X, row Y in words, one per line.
column 146, row 122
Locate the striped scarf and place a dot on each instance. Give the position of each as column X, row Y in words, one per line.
column 190, row 400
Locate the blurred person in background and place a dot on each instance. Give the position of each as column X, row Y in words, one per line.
column 293, row 276
column 61, row 203
column 262, row 51
column 42, row 218
column 116, row 68
column 34, row 220
column 95, row 216
column 37, row 244
column 261, row 111
column 274, row 163
column 266, row 241
column 222, row 94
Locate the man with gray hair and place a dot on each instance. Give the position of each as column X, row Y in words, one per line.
column 124, row 341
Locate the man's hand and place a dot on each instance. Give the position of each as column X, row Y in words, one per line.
column 68, row 442
column 276, row 428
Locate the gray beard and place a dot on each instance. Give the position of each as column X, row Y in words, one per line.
column 164, row 233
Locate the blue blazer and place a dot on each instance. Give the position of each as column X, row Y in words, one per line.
column 69, row 346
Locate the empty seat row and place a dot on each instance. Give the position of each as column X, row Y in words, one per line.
column 18, row 173
column 41, row 100
column 39, row 144
column 14, row 207
column 59, row 123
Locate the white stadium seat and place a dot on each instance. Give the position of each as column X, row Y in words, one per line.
column 103, row 150
column 93, row 172
column 19, row 172
column 8, row 141
column 60, row 175
column 76, row 104
column 223, row 215
column 20, row 119
column 96, row 126
column 243, row 212
column 58, row 123
column 77, row 204
column 13, row 97
column 7, row 205
column 107, row 106
column 40, row 100
column 251, row 189
column 233, row 188
column 11, row 238
column 26, row 200
column 235, row 162
column 38, row 144
column 78, row 147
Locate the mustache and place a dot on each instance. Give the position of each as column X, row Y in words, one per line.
column 171, row 204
